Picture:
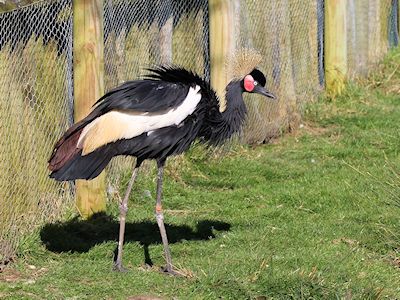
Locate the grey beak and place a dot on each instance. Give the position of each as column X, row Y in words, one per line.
column 262, row 91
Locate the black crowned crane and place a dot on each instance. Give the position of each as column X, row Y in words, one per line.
column 154, row 118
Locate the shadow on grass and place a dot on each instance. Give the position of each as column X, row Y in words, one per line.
column 79, row 235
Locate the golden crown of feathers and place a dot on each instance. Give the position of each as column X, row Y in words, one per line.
column 243, row 62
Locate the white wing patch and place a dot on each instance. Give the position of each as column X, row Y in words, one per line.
column 116, row 125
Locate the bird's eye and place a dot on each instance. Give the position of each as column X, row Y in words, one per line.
column 255, row 82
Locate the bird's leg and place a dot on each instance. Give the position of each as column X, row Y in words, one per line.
column 122, row 219
column 160, row 221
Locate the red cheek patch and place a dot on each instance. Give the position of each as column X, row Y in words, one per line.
column 249, row 83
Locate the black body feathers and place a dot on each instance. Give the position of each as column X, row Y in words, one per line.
column 162, row 91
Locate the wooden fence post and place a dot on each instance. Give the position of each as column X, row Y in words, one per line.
column 222, row 43
column 335, row 46
column 88, row 87
column 166, row 30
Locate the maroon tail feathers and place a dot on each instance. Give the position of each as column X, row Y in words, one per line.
column 65, row 149
column 67, row 161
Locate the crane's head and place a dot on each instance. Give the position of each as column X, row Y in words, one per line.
column 255, row 83
column 244, row 69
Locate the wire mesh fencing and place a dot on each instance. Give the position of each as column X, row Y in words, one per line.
column 35, row 108
column 371, row 29
column 36, row 82
column 290, row 34
column 286, row 34
column 140, row 34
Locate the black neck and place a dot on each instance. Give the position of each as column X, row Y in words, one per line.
column 221, row 126
column 235, row 107
column 235, row 113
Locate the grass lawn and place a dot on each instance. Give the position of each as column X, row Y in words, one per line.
column 314, row 215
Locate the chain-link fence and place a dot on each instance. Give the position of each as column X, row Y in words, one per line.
column 289, row 34
column 35, row 108
column 371, row 29
column 36, row 96
column 286, row 33
column 140, row 34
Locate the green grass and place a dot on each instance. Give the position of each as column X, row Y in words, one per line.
column 314, row 215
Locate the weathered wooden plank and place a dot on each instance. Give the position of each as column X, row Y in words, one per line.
column 88, row 87
column 335, row 46
column 222, row 43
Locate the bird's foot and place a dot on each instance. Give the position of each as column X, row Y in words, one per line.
column 170, row 271
column 119, row 268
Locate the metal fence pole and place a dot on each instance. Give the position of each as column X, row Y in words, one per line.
column 320, row 37
column 396, row 21
column 88, row 87
column 393, row 25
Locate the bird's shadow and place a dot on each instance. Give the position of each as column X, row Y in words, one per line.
column 80, row 236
